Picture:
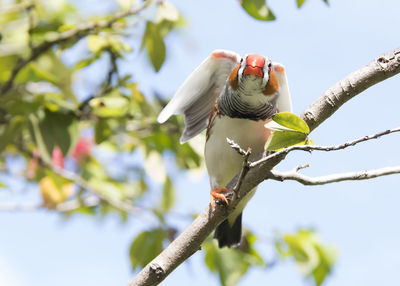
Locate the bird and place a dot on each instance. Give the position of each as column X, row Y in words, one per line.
column 231, row 97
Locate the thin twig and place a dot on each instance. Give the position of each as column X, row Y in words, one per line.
column 310, row 148
column 300, row 167
column 237, row 148
column 322, row 180
column 67, row 206
column 245, row 166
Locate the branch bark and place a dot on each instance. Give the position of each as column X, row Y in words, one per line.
column 333, row 178
column 190, row 240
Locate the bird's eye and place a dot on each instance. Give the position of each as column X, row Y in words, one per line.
column 269, row 65
column 241, row 60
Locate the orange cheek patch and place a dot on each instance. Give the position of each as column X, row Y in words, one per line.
column 233, row 78
column 272, row 85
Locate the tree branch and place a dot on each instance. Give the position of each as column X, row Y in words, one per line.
column 380, row 69
column 322, row 180
column 67, row 206
column 310, row 148
column 190, row 240
column 74, row 34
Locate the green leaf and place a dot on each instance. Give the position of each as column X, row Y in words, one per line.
column 168, row 196
column 314, row 258
column 96, row 43
column 2, row 185
column 154, row 43
column 154, row 167
column 50, row 68
column 300, row 3
column 38, row 138
column 111, row 190
column 145, row 247
column 258, row 9
column 25, row 107
column 166, row 11
column 102, row 130
column 54, row 129
column 6, row 62
column 59, row 129
column 231, row 263
column 113, row 105
column 326, row 2
column 283, row 139
column 86, row 62
column 10, row 132
column 126, row 4
column 291, row 121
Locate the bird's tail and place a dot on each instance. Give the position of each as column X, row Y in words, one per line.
column 229, row 235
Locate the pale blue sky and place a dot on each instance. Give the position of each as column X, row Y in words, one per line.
column 318, row 45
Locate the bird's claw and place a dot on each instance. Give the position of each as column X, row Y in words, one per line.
column 218, row 194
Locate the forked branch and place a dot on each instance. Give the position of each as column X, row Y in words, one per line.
column 192, row 237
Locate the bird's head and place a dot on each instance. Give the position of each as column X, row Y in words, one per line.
column 254, row 75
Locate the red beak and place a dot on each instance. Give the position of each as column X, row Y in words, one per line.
column 254, row 65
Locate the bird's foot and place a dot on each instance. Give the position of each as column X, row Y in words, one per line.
column 218, row 194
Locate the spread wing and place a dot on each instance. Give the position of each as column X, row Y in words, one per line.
column 284, row 102
column 197, row 95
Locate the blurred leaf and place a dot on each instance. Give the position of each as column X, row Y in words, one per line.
column 93, row 169
column 314, row 258
column 300, row 3
column 291, row 121
column 146, row 246
column 10, row 132
column 96, row 43
column 166, row 11
column 59, row 129
column 258, row 9
column 136, row 95
column 231, row 263
column 102, row 130
column 84, row 210
column 38, row 138
column 113, row 105
column 155, row 168
column 326, row 2
column 283, row 139
column 154, row 44
column 48, row 67
column 25, row 107
column 5, row 63
column 86, row 62
column 126, row 4
column 112, row 190
column 2, row 185
column 168, row 196
column 54, row 192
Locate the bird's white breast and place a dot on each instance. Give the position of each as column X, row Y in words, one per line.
column 223, row 163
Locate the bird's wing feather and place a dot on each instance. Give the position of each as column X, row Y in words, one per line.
column 284, row 102
column 197, row 95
